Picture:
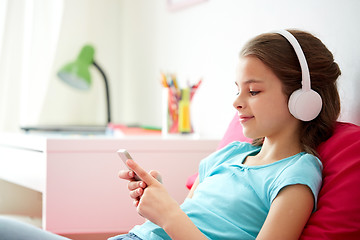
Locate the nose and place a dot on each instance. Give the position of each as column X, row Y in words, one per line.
column 239, row 103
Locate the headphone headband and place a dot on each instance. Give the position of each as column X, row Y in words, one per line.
column 306, row 85
column 304, row 104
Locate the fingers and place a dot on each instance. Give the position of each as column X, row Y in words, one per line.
column 146, row 177
column 132, row 185
column 136, row 194
column 126, row 175
column 136, row 188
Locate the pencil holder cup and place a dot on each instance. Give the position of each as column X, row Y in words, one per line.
column 176, row 105
column 176, row 112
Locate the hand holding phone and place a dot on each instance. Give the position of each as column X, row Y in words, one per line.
column 124, row 155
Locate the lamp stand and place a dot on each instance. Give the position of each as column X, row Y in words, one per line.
column 106, row 91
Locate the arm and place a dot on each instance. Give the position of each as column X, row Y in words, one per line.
column 156, row 205
column 288, row 213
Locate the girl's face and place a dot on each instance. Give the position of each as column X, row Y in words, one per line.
column 260, row 102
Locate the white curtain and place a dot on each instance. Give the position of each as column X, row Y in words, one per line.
column 29, row 33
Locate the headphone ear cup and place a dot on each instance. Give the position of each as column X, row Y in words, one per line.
column 305, row 105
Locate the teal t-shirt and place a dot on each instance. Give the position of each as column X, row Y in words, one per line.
column 233, row 199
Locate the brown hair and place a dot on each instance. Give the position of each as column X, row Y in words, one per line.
column 278, row 54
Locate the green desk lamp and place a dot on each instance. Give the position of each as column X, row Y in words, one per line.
column 77, row 74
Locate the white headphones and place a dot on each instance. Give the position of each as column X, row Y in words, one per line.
column 304, row 104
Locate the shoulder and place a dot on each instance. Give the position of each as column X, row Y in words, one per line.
column 305, row 170
column 306, row 162
column 303, row 167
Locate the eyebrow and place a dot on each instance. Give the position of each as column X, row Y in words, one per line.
column 253, row 81
column 250, row 81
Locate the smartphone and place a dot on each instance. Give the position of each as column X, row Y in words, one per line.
column 124, row 155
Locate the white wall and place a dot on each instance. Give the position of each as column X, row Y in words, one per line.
column 95, row 22
column 204, row 40
column 136, row 39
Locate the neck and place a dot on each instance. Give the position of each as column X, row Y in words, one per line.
column 277, row 150
column 279, row 147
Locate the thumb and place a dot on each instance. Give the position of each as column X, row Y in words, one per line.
column 146, row 177
column 156, row 175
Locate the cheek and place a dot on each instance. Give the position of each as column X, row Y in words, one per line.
column 283, row 113
column 275, row 107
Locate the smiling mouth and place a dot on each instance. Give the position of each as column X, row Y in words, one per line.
column 244, row 119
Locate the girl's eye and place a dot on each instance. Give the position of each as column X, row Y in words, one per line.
column 253, row 93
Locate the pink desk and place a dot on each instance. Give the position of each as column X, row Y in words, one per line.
column 77, row 176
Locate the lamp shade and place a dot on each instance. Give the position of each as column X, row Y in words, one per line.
column 77, row 73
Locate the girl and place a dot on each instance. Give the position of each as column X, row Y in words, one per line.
column 264, row 190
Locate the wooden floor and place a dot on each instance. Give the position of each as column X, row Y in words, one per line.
column 92, row 236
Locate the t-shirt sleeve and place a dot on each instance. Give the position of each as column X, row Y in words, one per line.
column 307, row 171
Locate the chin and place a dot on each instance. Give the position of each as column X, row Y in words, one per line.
column 248, row 134
column 251, row 135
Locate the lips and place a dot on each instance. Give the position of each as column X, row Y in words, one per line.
column 245, row 118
